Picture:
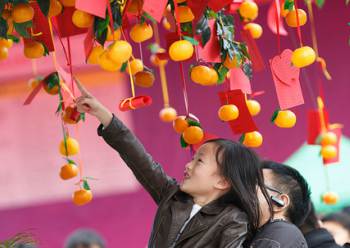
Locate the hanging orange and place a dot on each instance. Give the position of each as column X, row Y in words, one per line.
column 95, row 54
column 254, row 29
column 253, row 107
column 248, row 10
column 228, row 112
column 34, row 49
column 285, row 119
column 82, row 197
column 303, row 56
column 71, row 149
column 328, row 138
column 185, row 14
column 193, row 135
column 232, row 63
column 330, row 198
column 144, row 79
column 55, row 8
column 107, row 64
column 82, row 19
column 329, row 152
column 119, row 51
column 180, row 124
column 22, row 12
column 141, row 32
column 136, row 66
column 291, row 18
column 253, row 139
column 4, row 52
column 69, row 171
column 113, row 36
column 181, row 50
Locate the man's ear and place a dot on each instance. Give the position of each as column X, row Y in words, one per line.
column 280, row 203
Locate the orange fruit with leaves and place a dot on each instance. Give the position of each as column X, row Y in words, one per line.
column 193, row 135
column 232, row 63
column 185, row 14
column 95, row 54
column 284, row 119
column 22, row 12
column 71, row 115
column 168, row 114
column 228, row 112
column 69, row 171
column 291, row 18
column 113, row 36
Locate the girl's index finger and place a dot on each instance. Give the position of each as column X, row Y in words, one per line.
column 81, row 88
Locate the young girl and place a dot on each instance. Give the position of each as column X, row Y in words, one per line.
column 215, row 205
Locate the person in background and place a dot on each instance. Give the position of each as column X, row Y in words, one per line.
column 315, row 235
column 84, row 238
column 338, row 224
column 290, row 196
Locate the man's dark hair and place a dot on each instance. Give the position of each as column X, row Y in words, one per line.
column 341, row 218
column 311, row 222
column 291, row 182
column 84, row 238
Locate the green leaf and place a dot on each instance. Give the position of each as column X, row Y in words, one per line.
column 241, row 139
column 14, row 38
column 202, row 28
column 186, row 28
column 117, row 14
column 320, row 3
column 274, row 116
column 52, row 80
column 22, row 28
column 248, row 70
column 70, row 161
column 3, row 27
column 191, row 39
column 288, row 4
column 192, row 122
column 222, row 72
column 147, row 16
column 82, row 116
column 86, row 186
column 59, row 108
column 124, row 65
column 183, row 142
column 44, row 6
column 101, row 29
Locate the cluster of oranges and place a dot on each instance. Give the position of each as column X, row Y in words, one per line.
column 328, row 141
column 249, row 11
column 190, row 130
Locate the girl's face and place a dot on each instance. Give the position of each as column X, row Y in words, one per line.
column 202, row 176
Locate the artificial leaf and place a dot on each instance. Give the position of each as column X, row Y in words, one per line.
column 86, row 186
column 70, row 161
column 274, row 116
column 288, row 5
column 147, row 16
column 192, row 122
column 44, row 6
column 203, row 29
column 101, row 29
column 186, row 28
column 82, row 116
column 222, row 72
column 22, row 28
column 241, row 139
column 123, row 67
column 190, row 39
column 116, row 14
column 248, row 70
column 14, row 38
column 320, row 3
column 183, row 142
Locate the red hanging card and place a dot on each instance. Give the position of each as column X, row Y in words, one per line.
column 155, row 8
column 217, row 5
column 314, row 125
column 234, row 6
column 197, row 8
column 244, row 123
column 271, row 21
column 338, row 132
column 88, row 43
column 254, row 52
column 93, row 7
column 170, row 38
column 65, row 25
column 238, row 80
column 211, row 51
column 286, row 79
column 41, row 28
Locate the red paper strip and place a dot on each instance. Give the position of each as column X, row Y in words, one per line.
column 254, row 52
column 65, row 25
column 286, row 79
column 88, row 43
column 155, row 8
column 211, row 51
column 197, row 8
column 170, row 38
column 244, row 123
column 271, row 21
column 133, row 103
column 314, row 125
column 338, row 132
column 234, row 6
column 93, row 7
column 41, row 28
column 32, row 94
column 238, row 80
column 218, row 5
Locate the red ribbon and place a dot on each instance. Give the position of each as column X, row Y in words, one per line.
column 277, row 18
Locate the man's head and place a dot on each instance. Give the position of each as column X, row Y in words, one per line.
column 311, row 222
column 288, row 190
column 84, row 238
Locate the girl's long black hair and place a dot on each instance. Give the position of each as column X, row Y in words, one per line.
column 241, row 167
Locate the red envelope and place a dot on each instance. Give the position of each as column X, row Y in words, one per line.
column 88, row 43
column 238, row 80
column 338, row 132
column 211, row 51
column 155, row 8
column 93, row 7
column 65, row 25
column 271, row 20
column 217, row 5
column 133, row 103
column 286, row 79
column 244, row 123
column 41, row 25
column 314, row 125
column 170, row 38
column 197, row 8
column 254, row 52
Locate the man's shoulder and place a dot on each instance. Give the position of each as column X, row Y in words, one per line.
column 279, row 233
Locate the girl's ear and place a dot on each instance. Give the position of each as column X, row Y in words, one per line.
column 223, row 184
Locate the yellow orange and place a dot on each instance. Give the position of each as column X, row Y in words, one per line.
column 82, row 197
column 4, row 53
column 185, row 14
column 69, row 171
column 119, row 51
column 285, row 119
column 328, row 138
column 55, row 8
column 82, row 19
column 107, row 64
column 95, row 53
column 113, row 36
column 181, row 50
column 33, row 49
column 254, row 29
column 291, row 18
column 303, row 56
column 141, row 32
column 180, row 124
column 232, row 63
column 136, row 66
column 253, row 139
column 248, row 10
column 253, row 107
column 329, row 152
column 22, row 12
column 6, row 42
column 71, row 148
column 228, row 112
column 193, row 135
